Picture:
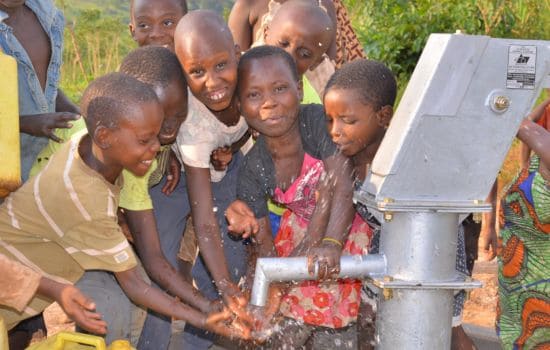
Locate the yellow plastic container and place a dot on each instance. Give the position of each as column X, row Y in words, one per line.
column 10, row 171
column 79, row 341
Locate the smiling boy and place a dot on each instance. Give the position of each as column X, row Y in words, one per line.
column 63, row 221
column 154, row 22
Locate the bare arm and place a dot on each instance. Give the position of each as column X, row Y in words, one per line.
column 209, row 238
column 331, row 220
column 535, row 115
column 240, row 24
column 488, row 236
column 537, row 138
column 143, row 227
column 64, row 104
column 152, row 298
column 334, row 210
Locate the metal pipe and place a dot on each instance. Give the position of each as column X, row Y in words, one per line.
column 420, row 247
column 295, row 269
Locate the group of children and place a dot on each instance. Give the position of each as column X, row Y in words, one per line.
column 169, row 136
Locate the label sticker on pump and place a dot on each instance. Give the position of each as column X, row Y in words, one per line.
column 522, row 61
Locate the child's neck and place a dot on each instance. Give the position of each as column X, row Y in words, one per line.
column 92, row 156
column 229, row 116
column 13, row 13
column 286, row 145
column 363, row 160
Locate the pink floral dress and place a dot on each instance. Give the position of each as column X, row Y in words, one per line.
column 328, row 304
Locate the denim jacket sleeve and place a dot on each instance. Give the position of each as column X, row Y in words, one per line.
column 32, row 99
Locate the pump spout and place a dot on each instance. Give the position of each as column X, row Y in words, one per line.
column 295, row 269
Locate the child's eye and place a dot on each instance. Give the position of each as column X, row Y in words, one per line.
column 280, row 88
column 196, row 72
column 168, row 22
column 143, row 142
column 253, row 95
column 143, row 25
column 349, row 121
column 283, row 43
column 221, row 65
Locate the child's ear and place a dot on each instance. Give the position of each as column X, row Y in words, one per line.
column 384, row 116
column 102, row 137
column 132, row 30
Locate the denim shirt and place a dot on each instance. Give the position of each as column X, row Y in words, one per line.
column 32, row 99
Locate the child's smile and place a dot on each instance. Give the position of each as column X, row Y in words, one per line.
column 269, row 96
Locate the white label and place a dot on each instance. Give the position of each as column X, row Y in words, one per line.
column 522, row 61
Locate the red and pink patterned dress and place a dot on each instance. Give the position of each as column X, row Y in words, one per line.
column 328, row 304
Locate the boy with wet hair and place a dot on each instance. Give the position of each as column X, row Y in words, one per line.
column 209, row 57
column 154, row 22
column 63, row 221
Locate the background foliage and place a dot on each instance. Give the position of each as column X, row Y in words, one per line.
column 392, row 31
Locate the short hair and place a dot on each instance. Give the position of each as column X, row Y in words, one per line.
column 203, row 26
column 266, row 51
column 182, row 3
column 153, row 65
column 372, row 79
column 112, row 97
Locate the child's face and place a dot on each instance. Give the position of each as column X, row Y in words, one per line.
column 269, row 96
column 306, row 44
column 133, row 144
column 352, row 124
column 210, row 67
column 173, row 99
column 154, row 22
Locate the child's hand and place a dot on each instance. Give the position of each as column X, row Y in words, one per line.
column 327, row 256
column 44, row 125
column 235, row 300
column 264, row 316
column 80, row 308
column 241, row 219
column 173, row 176
column 218, row 322
column 221, row 157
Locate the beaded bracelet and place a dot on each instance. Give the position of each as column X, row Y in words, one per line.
column 332, row 240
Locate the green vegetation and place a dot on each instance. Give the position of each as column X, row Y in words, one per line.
column 395, row 31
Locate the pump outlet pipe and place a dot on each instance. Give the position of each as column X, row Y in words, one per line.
column 295, row 269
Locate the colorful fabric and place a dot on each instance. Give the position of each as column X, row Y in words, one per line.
column 61, row 222
column 348, row 47
column 327, row 304
column 524, row 262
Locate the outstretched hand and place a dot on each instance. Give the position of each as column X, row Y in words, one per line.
column 236, row 301
column 44, row 125
column 241, row 219
column 80, row 308
column 224, row 323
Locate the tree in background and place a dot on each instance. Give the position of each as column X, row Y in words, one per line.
column 395, row 31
